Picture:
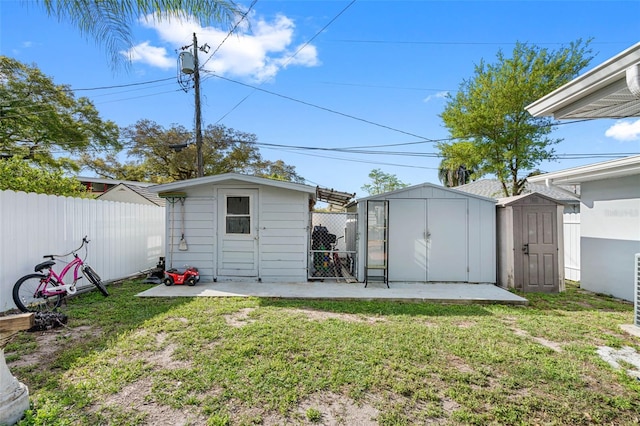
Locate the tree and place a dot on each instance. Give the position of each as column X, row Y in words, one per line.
column 489, row 109
column 382, row 182
column 16, row 174
column 44, row 122
column 459, row 163
column 109, row 21
column 162, row 155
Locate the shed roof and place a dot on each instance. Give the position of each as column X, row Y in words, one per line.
column 111, row 181
column 426, row 185
column 622, row 167
column 507, row 201
column 230, row 177
column 493, row 188
column 610, row 90
column 142, row 191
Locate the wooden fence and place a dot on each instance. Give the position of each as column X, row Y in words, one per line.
column 125, row 238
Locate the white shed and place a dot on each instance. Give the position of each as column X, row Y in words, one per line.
column 427, row 233
column 238, row 227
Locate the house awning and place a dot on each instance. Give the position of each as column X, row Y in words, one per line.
column 610, row 90
column 628, row 166
column 333, row 197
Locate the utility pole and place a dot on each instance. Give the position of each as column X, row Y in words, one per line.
column 189, row 64
column 196, row 80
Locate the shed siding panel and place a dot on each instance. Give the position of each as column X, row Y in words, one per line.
column 482, row 260
column 283, row 227
column 199, row 223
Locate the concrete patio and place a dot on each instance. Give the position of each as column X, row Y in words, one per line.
column 411, row 292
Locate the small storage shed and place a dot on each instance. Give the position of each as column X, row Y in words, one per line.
column 530, row 243
column 427, row 233
column 238, row 227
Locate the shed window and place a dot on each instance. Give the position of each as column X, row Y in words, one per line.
column 238, row 219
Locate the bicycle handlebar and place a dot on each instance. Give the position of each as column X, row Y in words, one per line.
column 85, row 240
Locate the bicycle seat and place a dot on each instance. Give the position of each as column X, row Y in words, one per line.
column 44, row 265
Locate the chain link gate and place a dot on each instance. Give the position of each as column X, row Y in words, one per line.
column 333, row 243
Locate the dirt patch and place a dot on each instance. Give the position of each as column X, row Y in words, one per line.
column 316, row 315
column 51, row 341
column 555, row 346
column 337, row 410
column 135, row 398
column 459, row 364
column 449, row 406
column 239, row 318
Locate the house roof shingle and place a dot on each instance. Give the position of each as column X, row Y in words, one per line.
column 492, row 188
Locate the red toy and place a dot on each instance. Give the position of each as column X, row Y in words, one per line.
column 189, row 276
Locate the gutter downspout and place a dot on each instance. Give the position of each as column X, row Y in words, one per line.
column 549, row 184
column 633, row 80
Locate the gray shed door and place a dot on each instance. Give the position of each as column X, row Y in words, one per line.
column 237, row 232
column 428, row 240
column 538, row 255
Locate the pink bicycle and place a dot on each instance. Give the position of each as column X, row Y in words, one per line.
column 44, row 292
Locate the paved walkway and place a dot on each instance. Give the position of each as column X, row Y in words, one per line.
column 443, row 293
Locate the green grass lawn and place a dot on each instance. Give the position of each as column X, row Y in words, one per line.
column 124, row 360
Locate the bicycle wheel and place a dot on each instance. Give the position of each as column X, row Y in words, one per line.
column 94, row 279
column 28, row 297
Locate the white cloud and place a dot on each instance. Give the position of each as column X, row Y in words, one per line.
column 624, row 131
column 154, row 56
column 256, row 52
column 439, row 95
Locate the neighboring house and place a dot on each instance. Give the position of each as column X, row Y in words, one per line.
column 568, row 195
column 427, row 233
column 101, row 185
column 234, row 227
column 129, row 193
column 610, row 199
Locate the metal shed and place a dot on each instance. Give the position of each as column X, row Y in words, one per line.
column 530, row 243
column 427, row 233
column 234, row 227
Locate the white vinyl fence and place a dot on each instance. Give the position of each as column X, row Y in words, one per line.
column 125, row 238
column 572, row 246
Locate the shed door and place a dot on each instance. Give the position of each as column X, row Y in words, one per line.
column 448, row 240
column 539, row 251
column 237, row 232
column 407, row 240
column 428, row 240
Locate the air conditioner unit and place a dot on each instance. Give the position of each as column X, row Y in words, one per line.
column 636, row 300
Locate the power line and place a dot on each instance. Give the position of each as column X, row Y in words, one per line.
column 462, row 43
column 322, row 108
column 119, row 85
column 244, row 15
column 291, row 57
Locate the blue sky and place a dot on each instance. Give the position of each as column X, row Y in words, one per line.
column 366, row 73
